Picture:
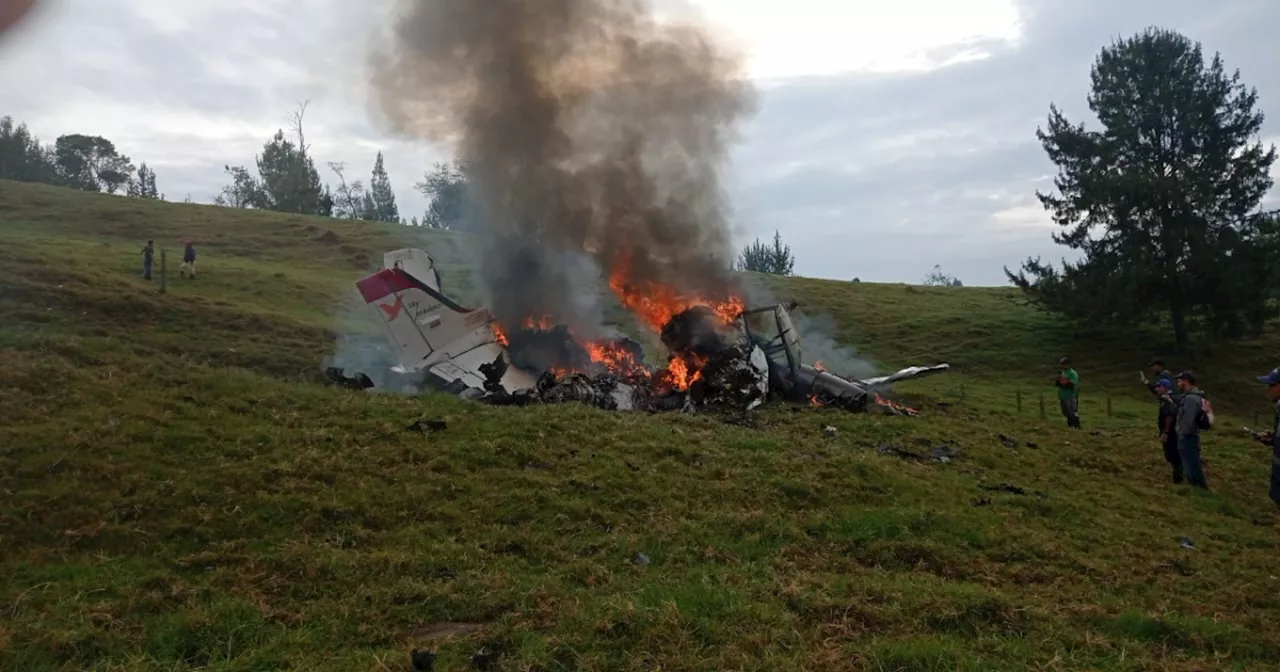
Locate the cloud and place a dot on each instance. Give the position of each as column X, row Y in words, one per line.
column 878, row 150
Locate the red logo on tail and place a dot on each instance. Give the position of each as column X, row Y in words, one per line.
column 392, row 310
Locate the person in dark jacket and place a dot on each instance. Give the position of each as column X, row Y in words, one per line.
column 188, row 261
column 148, row 258
column 1159, row 374
column 1188, row 429
column 1272, row 438
column 1165, row 420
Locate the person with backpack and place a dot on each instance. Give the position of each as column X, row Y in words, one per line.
column 1272, row 438
column 1195, row 415
column 1165, row 419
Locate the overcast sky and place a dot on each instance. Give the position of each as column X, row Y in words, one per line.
column 890, row 136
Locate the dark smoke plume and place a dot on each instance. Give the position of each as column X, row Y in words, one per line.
column 587, row 126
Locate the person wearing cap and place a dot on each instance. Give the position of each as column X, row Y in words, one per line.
column 1160, row 374
column 1167, row 416
column 1272, row 438
column 1068, row 384
column 1188, row 429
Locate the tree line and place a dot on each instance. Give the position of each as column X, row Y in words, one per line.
column 284, row 177
column 85, row 162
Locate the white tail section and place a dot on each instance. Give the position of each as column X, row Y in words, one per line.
column 429, row 330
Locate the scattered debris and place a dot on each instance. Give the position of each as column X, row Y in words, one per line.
column 1185, row 542
column 1004, row 487
column 422, row 661
column 941, row 454
column 640, row 559
column 336, row 376
column 428, row 425
column 1178, row 566
column 486, row 658
column 1008, row 441
column 982, row 501
column 829, row 430
column 1032, row 444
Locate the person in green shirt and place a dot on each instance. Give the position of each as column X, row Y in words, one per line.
column 1068, row 384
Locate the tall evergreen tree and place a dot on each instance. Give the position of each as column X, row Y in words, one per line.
column 774, row 258
column 144, row 185
column 380, row 200
column 288, row 179
column 1163, row 199
column 22, row 157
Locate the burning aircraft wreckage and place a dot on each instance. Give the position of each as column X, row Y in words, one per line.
column 721, row 354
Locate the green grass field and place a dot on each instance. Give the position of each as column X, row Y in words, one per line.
column 175, row 496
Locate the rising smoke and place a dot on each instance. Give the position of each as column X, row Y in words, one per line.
column 587, row 127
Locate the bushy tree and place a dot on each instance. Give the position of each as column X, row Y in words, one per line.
column 144, row 185
column 91, row 163
column 1162, row 199
column 287, row 179
column 774, row 258
column 446, row 187
column 937, row 278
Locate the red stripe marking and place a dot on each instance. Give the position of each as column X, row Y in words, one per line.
column 383, row 283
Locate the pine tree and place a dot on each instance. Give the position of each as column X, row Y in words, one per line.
column 1163, row 199
column 761, row 258
column 380, row 200
column 144, row 185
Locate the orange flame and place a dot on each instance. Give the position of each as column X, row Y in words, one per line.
column 818, row 365
column 893, row 405
column 498, row 334
column 815, row 401
column 655, row 304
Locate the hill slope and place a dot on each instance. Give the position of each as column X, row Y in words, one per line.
column 173, row 494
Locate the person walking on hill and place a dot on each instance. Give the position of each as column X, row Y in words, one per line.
column 188, row 261
column 1165, row 420
column 1068, row 384
column 1272, row 438
column 148, row 257
column 1188, row 426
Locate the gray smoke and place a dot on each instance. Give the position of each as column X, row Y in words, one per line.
column 587, row 127
column 816, row 346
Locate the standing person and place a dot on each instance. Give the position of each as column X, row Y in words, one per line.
column 148, row 256
column 1068, row 384
column 1165, row 420
column 1272, row 438
column 1188, row 426
column 1159, row 373
column 188, row 261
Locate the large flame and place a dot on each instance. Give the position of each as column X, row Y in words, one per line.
column 656, row 304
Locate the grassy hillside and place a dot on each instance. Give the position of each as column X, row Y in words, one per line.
column 174, row 495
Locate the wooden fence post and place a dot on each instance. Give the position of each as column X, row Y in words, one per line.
column 164, row 272
column 1042, row 405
